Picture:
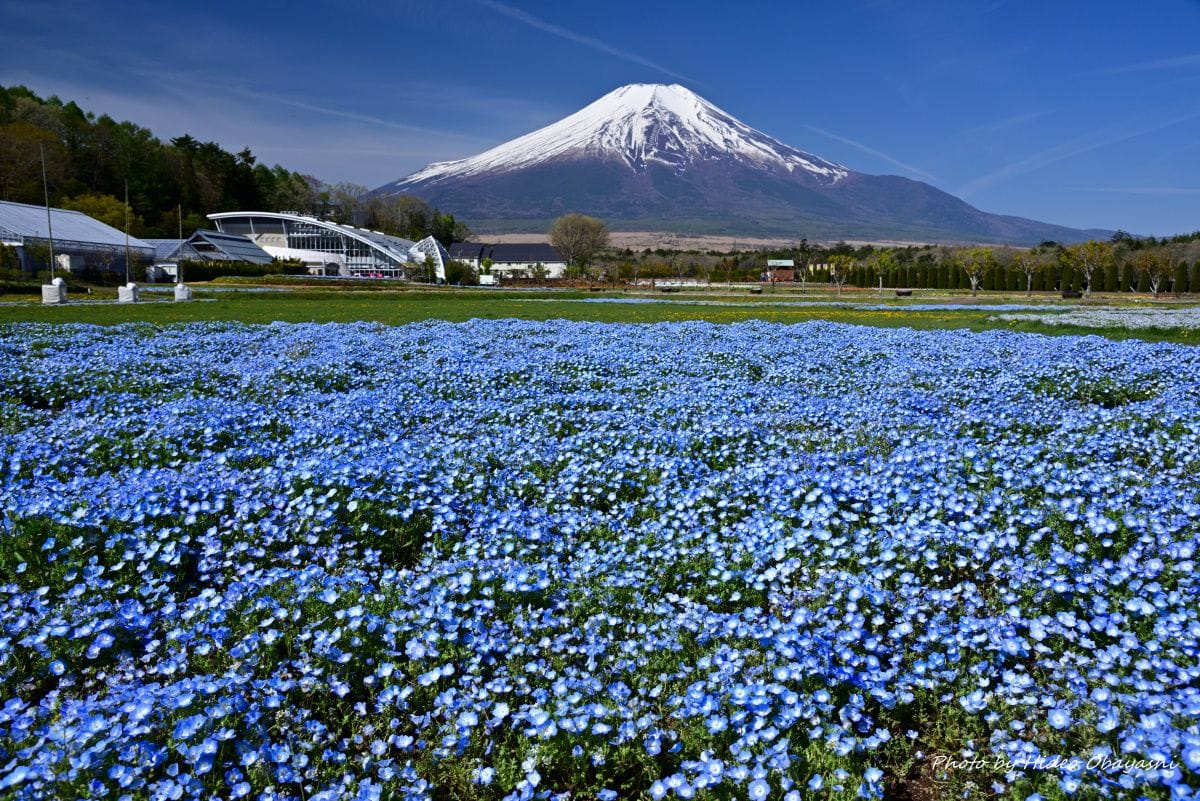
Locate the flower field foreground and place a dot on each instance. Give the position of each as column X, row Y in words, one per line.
column 517, row 560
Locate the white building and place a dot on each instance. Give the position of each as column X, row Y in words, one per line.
column 331, row 248
column 513, row 259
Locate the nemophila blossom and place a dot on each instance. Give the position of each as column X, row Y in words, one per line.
column 357, row 561
column 1059, row 718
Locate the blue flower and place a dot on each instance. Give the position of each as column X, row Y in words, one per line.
column 1059, row 718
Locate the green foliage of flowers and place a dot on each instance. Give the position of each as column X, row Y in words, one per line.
column 515, row 560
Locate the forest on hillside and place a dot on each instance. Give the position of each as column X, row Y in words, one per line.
column 90, row 159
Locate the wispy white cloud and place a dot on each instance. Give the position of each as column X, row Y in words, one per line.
column 1158, row 191
column 872, row 151
column 349, row 115
column 1064, row 151
column 995, row 127
column 1191, row 60
column 578, row 38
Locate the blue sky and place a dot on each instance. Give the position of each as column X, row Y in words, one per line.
column 1079, row 113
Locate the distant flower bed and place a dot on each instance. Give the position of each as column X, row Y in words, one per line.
column 1117, row 317
column 519, row 560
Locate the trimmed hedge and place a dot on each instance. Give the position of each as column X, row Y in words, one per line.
column 207, row 271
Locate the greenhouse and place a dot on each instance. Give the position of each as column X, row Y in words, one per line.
column 337, row 249
column 77, row 239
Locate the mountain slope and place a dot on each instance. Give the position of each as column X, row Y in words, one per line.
column 654, row 157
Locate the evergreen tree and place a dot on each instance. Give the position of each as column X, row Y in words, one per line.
column 1181, row 283
column 1112, row 278
column 1039, row 280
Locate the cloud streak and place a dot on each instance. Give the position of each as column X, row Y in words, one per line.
column 1062, row 152
column 578, row 38
column 1156, row 191
column 350, row 115
column 872, row 151
column 1191, row 60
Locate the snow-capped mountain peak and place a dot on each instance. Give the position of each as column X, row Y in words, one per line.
column 640, row 125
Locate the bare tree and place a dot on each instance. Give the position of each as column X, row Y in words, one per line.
column 1157, row 268
column 839, row 269
column 880, row 264
column 1088, row 257
column 578, row 237
column 346, row 201
column 1028, row 263
column 975, row 262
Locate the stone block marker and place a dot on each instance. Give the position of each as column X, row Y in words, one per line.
column 55, row 292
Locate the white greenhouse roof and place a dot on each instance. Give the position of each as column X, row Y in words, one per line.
column 23, row 221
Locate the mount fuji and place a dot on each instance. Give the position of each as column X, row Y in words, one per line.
column 650, row 157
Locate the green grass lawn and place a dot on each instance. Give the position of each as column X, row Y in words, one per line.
column 406, row 306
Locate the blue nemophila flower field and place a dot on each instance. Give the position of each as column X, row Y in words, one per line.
column 518, row 560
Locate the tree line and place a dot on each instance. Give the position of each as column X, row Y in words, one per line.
column 90, row 160
column 1122, row 264
column 1118, row 265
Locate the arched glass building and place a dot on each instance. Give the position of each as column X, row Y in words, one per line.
column 337, row 249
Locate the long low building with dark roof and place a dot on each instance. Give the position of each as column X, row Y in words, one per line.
column 335, row 248
column 514, row 259
column 206, row 246
column 78, row 240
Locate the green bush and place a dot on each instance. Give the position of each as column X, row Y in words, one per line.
column 207, row 271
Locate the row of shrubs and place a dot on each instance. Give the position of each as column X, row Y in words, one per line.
column 207, row 271
column 1114, row 278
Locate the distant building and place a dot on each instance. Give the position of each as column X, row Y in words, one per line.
column 173, row 250
column 79, row 241
column 512, row 259
column 206, row 246
column 780, row 270
column 334, row 249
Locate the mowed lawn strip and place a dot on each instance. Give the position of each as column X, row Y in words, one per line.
column 400, row 307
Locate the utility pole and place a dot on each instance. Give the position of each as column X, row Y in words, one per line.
column 49, row 225
column 127, row 231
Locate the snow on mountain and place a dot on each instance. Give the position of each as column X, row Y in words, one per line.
column 639, row 124
column 652, row 157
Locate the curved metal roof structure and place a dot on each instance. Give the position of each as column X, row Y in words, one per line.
column 356, row 251
column 74, row 231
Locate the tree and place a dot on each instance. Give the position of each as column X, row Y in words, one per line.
column 839, row 269
column 1155, row 267
column 107, row 209
column 459, row 273
column 1029, row 263
column 881, row 264
column 346, row 202
column 1180, row 284
column 975, row 262
column 21, row 148
column 578, row 238
column 1088, row 257
column 445, row 229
